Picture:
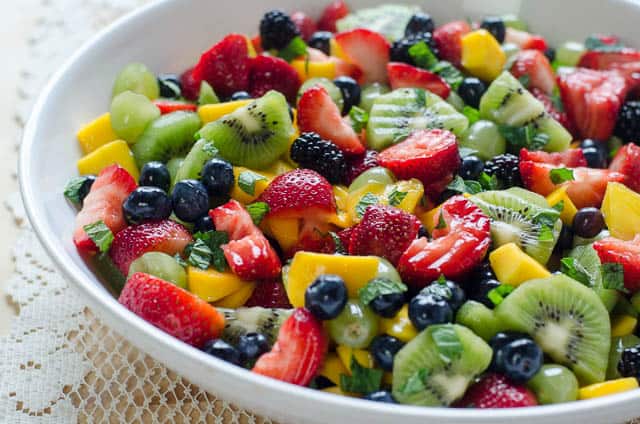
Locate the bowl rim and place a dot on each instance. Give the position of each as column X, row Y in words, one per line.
column 111, row 307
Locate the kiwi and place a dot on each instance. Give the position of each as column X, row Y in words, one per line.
column 255, row 135
column 618, row 344
column 426, row 373
column 567, row 320
column 588, row 259
column 255, row 319
column 168, row 136
column 480, row 319
column 193, row 163
column 397, row 114
column 173, row 165
column 332, row 89
column 162, row 266
column 389, row 20
column 516, row 220
column 207, row 96
column 370, row 93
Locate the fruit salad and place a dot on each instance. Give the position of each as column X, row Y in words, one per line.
column 381, row 205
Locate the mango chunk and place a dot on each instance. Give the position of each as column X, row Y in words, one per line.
column 621, row 210
column 213, row 112
column 237, row 298
column 114, row 152
column 399, row 326
column 363, row 357
column 211, row 285
column 482, row 55
column 569, row 210
column 607, row 388
column 342, row 217
column 286, row 231
column 512, row 266
column 623, row 325
column 96, row 133
column 332, row 368
column 243, row 193
column 307, row 70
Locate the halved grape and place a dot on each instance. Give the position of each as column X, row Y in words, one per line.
column 378, row 175
column 569, row 53
column 485, row 138
column 554, row 384
column 138, row 78
column 130, row 115
column 207, row 96
column 162, row 266
column 355, row 327
column 456, row 101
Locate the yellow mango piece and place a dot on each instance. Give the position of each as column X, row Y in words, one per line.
column 512, row 266
column 399, row 326
column 332, row 368
column 428, row 219
column 569, row 210
column 623, row 325
column 211, row 285
column 621, row 210
column 336, row 51
column 306, row 266
column 96, row 133
column 482, row 55
column 341, row 218
column 356, row 196
column 251, row 50
column 279, row 167
column 286, row 231
column 363, row 357
column 114, row 152
column 307, row 70
column 260, row 185
column 237, row 298
column 414, row 191
column 213, row 112
column 607, row 388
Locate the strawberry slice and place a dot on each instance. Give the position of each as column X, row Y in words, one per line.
column 402, row 75
column 626, row 253
column 305, row 24
column 592, row 100
column 448, row 39
column 298, row 352
column 429, row 155
column 233, row 219
column 368, row 50
column 318, row 113
column 550, row 107
column 535, row 65
column 357, row 165
column 172, row 309
column 627, row 162
column 456, row 249
column 335, row 11
column 571, row 158
column 225, row 66
column 384, row 231
column 103, row 203
column 161, row 236
column 272, row 73
column 345, row 237
column 314, row 237
column 496, row 391
column 525, row 40
column 269, row 294
column 602, row 60
column 168, row 106
column 190, row 87
column 252, row 258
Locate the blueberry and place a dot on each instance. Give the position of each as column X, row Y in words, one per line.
column 446, row 195
column 252, row 345
column 203, row 224
column 565, row 240
column 588, row 222
column 496, row 27
column 483, row 272
column 479, row 291
column 422, row 232
column 190, row 200
column 383, row 396
column 240, row 95
column 326, row 297
column 155, row 174
column 471, row 90
column 418, row 24
column 387, row 305
column 425, row 310
column 217, row 177
column 321, row 40
column 351, row 92
column 550, row 53
column 170, row 86
column 447, row 290
column 505, row 337
column 471, row 168
column 146, row 204
column 384, row 349
column 223, row 350
column 85, row 188
column 518, row 359
column 595, row 157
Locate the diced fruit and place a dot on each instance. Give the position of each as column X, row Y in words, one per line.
column 621, row 209
column 172, row 106
column 554, row 110
column 448, row 38
column 536, row 67
column 569, row 53
column 334, row 11
column 211, row 285
column 172, row 309
column 512, row 266
column 554, row 384
column 627, row 162
column 116, row 152
column 286, row 231
column 190, row 86
column 233, row 219
column 402, row 75
column 399, row 326
column 332, row 368
column 305, row 24
column 496, row 391
column 355, row 326
column 480, row 319
column 623, row 325
column 136, row 78
column 626, row 253
column 160, row 265
column 272, row 73
column 525, row 40
column 603, row 60
column 571, row 158
column 252, row 258
column 568, row 208
column 308, row 70
column 484, row 137
column 238, row 298
column 213, row 112
column 269, row 294
column 258, row 181
column 363, row 357
column 607, row 388
column 96, row 133
column 130, row 115
column 368, row 50
column 482, row 55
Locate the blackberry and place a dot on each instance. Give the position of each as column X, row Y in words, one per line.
column 506, row 168
column 312, row 152
column 629, row 364
column 400, row 48
column 628, row 123
column 277, row 30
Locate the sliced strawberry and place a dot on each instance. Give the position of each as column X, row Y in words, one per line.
column 384, row 231
column 335, row 11
column 608, row 60
column 368, row 50
column 256, row 42
column 535, row 65
column 525, row 40
column 168, row 106
column 190, row 86
column 358, row 164
column 346, row 69
column 496, row 391
column 318, row 113
column 550, row 107
column 103, row 203
column 225, row 66
column 233, row 219
column 428, row 155
column 269, row 294
column 172, row 309
column 626, row 253
column 627, row 162
column 314, row 237
column 448, row 39
column 298, row 352
column 571, row 158
column 592, row 100
column 345, row 237
column 455, row 249
column 272, row 73
column 252, row 258
column 305, row 24
column 161, row 236
column 402, row 75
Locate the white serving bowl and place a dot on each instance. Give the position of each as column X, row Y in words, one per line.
column 168, row 36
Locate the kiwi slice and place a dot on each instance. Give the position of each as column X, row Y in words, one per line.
column 255, row 319
column 162, row 266
column 332, row 89
column 173, row 165
column 588, row 259
column 389, row 20
column 533, row 228
column 480, row 319
column 193, row 163
column 567, row 320
column 437, row 366
column 370, row 93
column 397, row 114
column 166, row 137
column 255, row 135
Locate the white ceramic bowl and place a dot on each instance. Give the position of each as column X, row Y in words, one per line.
column 168, row 36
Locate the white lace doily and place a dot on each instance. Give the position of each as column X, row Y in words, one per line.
column 60, row 364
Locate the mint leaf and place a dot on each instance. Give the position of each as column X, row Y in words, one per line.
column 441, row 279
column 546, row 218
column 72, row 189
column 416, row 383
column 561, row 175
column 247, row 181
column 206, row 250
column 362, row 380
column 447, row 342
column 465, row 186
column 180, row 260
column 449, row 73
column 199, row 254
column 559, row 206
column 497, row 295
column 442, row 224
column 296, row 47
column 359, row 118
column 340, row 250
column 100, row 234
column 378, row 287
column 488, row 182
column 472, row 114
column 574, row 269
column 524, row 80
column 257, row 211
column 526, row 136
column 396, row 197
column 613, row 277
column 422, row 55
column 366, row 201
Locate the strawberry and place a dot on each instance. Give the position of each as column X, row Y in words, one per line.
column 161, row 236
column 603, row 60
column 535, row 65
column 428, row 155
column 592, row 100
column 233, row 219
column 314, row 237
column 190, row 87
column 557, row 112
column 402, row 75
column 305, row 24
column 335, row 11
column 626, row 253
column 168, row 106
column 368, row 50
column 448, row 39
column 525, row 40
column 256, row 42
column 298, row 351
column 357, row 165
column 298, row 194
column 346, row 69
column 318, row 113
column 496, row 391
column 252, row 258
column 225, row 66
column 627, row 162
column 571, row 158
column 269, row 294
column 456, row 249
column 272, row 73
column 345, row 237
column 103, row 203
column 384, row 231
column 172, row 309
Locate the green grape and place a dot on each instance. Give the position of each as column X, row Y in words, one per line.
column 554, row 384
column 370, row 93
column 378, row 175
column 569, row 53
column 130, row 115
column 136, row 77
column 162, row 266
column 386, row 270
column 456, row 101
column 485, row 138
column 332, row 89
column 355, row 327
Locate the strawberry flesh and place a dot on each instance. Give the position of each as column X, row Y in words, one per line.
column 496, row 391
column 626, row 253
column 305, row 24
column 269, row 294
column 233, row 219
column 525, row 40
column 272, row 73
column 335, row 11
column 368, row 50
column 602, row 60
column 448, row 39
column 535, row 65
column 557, row 112
column 190, row 87
column 627, row 162
column 571, row 158
column 168, row 106
column 402, row 75
column 252, row 258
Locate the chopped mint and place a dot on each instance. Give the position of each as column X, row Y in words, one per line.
column 378, row 287
column 472, row 114
column 488, row 182
column 359, row 118
column 447, row 342
column 247, row 181
column 367, row 200
column 100, row 234
column 561, row 175
column 340, row 250
column 559, row 206
column 257, row 211
column 416, row 383
column 613, row 277
column 180, row 260
column 441, row 279
column 449, row 73
column 525, row 80
column 557, row 100
column 547, row 218
column 296, row 48
column 396, row 197
column 362, row 380
column 497, row 295
column 72, row 189
column 422, row 55
column 526, row 136
column 574, row 269
column 464, row 186
column 199, row 254
column 442, row 224
column 206, row 250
